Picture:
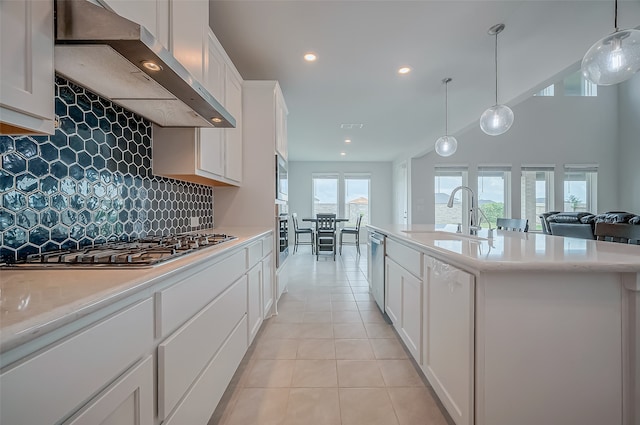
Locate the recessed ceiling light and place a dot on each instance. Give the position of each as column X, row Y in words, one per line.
column 343, row 153
column 216, row 120
column 151, row 66
column 347, row 140
column 404, row 70
column 310, row 57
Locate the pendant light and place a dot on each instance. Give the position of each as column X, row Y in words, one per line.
column 613, row 59
column 499, row 118
column 446, row 145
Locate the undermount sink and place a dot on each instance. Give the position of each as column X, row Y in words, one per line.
column 437, row 234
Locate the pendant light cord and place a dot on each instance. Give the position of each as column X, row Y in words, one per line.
column 446, row 108
column 496, row 63
column 615, row 19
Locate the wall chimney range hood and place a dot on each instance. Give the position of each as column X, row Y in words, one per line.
column 122, row 61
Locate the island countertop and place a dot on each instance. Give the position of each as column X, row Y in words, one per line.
column 508, row 250
column 37, row 301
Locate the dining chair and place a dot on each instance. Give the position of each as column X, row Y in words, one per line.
column 298, row 231
column 325, row 234
column 618, row 232
column 352, row 231
column 514, row 224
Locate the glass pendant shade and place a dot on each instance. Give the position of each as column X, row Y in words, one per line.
column 446, row 145
column 613, row 59
column 496, row 120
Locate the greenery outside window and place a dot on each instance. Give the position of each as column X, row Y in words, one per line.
column 447, row 179
column 494, row 193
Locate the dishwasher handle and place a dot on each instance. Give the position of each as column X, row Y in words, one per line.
column 376, row 239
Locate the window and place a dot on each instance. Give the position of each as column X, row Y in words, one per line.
column 547, row 91
column 576, row 85
column 447, row 179
column 536, row 190
column 325, row 193
column 356, row 198
column 494, row 189
column 580, row 188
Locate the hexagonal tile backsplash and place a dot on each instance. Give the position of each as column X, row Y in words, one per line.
column 90, row 182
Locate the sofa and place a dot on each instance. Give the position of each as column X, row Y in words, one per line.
column 583, row 224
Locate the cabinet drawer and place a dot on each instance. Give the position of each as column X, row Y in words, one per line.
column 184, row 354
column 199, row 404
column 407, row 257
column 51, row 385
column 129, row 400
column 175, row 305
column 254, row 253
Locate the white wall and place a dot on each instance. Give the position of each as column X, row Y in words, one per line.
column 547, row 130
column 301, row 187
column 629, row 153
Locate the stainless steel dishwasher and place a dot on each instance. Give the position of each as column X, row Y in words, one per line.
column 377, row 241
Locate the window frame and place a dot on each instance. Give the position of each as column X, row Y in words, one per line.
column 452, row 171
column 549, row 186
column 495, row 171
column 591, row 181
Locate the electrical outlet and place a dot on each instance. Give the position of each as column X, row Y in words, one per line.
column 195, row 221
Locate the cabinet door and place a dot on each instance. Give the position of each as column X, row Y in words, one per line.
column 26, row 66
column 211, row 150
column 411, row 329
column 393, row 288
column 233, row 136
column 254, row 301
column 449, row 337
column 281, row 125
column 144, row 13
column 268, row 287
column 214, row 80
column 128, row 401
column 189, row 30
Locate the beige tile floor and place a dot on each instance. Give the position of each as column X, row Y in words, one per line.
column 328, row 357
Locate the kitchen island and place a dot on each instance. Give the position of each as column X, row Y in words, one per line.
column 145, row 345
column 519, row 328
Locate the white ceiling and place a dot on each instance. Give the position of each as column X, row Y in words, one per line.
column 361, row 44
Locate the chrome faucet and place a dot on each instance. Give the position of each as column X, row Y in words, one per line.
column 473, row 214
column 474, row 222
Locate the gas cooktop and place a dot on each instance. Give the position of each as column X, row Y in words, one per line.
column 144, row 252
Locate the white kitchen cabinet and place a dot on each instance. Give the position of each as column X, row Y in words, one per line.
column 254, row 301
column 30, row 392
column 210, row 156
column 449, row 338
column 26, row 67
column 189, row 31
column 128, row 401
column 404, row 305
column 268, row 286
column 281, row 126
column 393, row 286
column 186, row 352
column 151, row 14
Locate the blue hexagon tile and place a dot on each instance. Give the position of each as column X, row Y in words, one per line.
column 90, row 182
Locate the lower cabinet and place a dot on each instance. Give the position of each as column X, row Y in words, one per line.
column 254, row 301
column 128, row 401
column 268, row 286
column 404, row 305
column 54, row 384
column 448, row 320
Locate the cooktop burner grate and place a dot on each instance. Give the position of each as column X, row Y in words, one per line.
column 144, row 252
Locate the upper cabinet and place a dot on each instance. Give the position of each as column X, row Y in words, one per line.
column 206, row 155
column 151, row 14
column 26, row 67
column 281, row 125
column 189, row 33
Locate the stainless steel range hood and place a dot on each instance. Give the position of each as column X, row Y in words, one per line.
column 107, row 53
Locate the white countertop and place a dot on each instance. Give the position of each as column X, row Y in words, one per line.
column 517, row 250
column 33, row 302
